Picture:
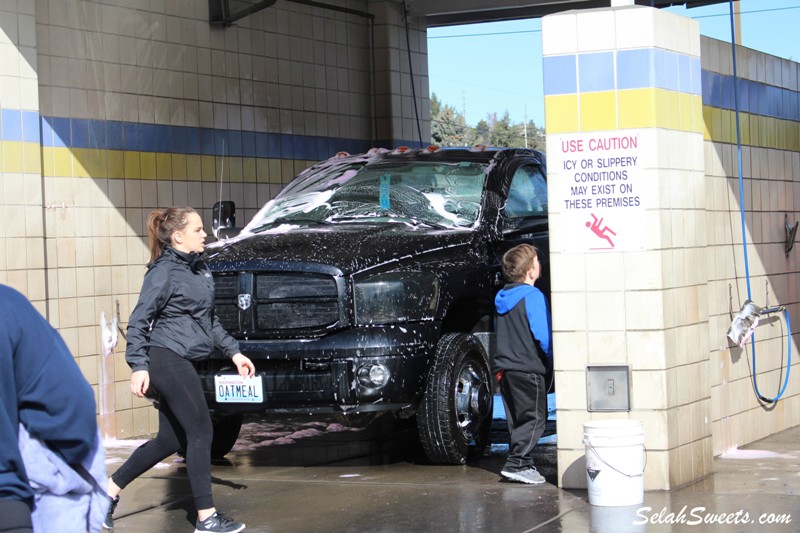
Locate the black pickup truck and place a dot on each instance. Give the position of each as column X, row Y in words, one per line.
column 366, row 287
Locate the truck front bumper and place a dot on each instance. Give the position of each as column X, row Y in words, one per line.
column 331, row 374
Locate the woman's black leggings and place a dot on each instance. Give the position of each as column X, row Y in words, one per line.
column 183, row 423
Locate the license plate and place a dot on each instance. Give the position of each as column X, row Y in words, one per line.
column 230, row 388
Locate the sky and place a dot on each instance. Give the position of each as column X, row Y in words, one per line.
column 494, row 67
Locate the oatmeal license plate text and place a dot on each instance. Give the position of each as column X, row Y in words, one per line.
column 236, row 389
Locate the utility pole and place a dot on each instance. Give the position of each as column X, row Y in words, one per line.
column 737, row 21
column 525, row 126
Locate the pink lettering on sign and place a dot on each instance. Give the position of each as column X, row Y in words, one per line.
column 571, row 145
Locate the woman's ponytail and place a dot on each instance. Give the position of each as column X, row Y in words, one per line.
column 161, row 224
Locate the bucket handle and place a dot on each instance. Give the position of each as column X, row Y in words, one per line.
column 592, row 448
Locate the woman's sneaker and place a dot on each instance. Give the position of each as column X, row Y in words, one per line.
column 108, row 523
column 218, row 523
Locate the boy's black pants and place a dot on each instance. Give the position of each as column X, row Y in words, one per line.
column 525, row 401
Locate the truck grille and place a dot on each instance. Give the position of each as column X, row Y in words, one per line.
column 279, row 301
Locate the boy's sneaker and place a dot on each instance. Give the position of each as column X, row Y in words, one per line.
column 108, row 523
column 529, row 475
column 218, row 523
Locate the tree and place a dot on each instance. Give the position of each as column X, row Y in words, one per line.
column 502, row 133
column 436, row 105
column 453, row 127
column 482, row 132
column 436, row 110
column 448, row 126
column 536, row 136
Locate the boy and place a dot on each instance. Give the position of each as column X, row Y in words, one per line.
column 523, row 356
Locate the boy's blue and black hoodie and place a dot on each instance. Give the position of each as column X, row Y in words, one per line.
column 523, row 329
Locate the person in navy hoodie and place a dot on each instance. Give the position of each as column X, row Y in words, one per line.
column 47, row 403
column 523, row 356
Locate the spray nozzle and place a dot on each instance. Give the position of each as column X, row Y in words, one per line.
column 744, row 323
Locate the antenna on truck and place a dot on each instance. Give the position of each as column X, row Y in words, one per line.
column 217, row 215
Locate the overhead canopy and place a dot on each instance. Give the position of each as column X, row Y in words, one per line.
column 449, row 12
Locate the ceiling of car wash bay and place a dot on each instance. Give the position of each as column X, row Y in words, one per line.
column 450, row 12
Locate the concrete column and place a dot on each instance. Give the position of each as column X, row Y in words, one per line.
column 396, row 119
column 22, row 257
column 625, row 153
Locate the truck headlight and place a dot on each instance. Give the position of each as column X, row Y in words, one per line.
column 396, row 297
column 374, row 375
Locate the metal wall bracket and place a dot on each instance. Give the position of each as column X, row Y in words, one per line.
column 791, row 233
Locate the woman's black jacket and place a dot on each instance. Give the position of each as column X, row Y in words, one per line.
column 176, row 311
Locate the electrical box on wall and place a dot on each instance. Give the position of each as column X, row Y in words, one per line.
column 608, row 388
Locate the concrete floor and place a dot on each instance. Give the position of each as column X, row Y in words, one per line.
column 301, row 476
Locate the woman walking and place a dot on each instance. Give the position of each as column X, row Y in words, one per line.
column 172, row 325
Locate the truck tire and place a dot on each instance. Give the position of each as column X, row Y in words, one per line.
column 226, row 431
column 454, row 418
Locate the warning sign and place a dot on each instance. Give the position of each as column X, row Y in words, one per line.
column 597, row 185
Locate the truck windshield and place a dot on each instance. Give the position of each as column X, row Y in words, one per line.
column 429, row 193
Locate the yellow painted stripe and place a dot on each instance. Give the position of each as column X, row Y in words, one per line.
column 561, row 113
column 97, row 163
column 13, row 156
column 52, row 161
column 635, row 108
column 756, row 130
column 598, row 111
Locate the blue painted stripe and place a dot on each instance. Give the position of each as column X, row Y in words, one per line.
column 47, row 134
column 61, row 132
column 560, row 75
column 248, row 144
column 274, row 145
column 79, row 129
column 672, row 72
column 130, row 136
column 262, row 145
column 636, row 69
column 286, row 147
column 235, row 143
column 30, row 126
column 755, row 97
column 684, row 74
column 191, row 139
column 114, row 137
column 596, row 72
column 97, row 134
column 696, row 86
column 11, row 120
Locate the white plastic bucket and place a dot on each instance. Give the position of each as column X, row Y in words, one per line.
column 614, row 462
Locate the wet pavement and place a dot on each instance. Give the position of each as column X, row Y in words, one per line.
column 315, row 475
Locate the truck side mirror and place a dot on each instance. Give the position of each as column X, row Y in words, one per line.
column 223, row 216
